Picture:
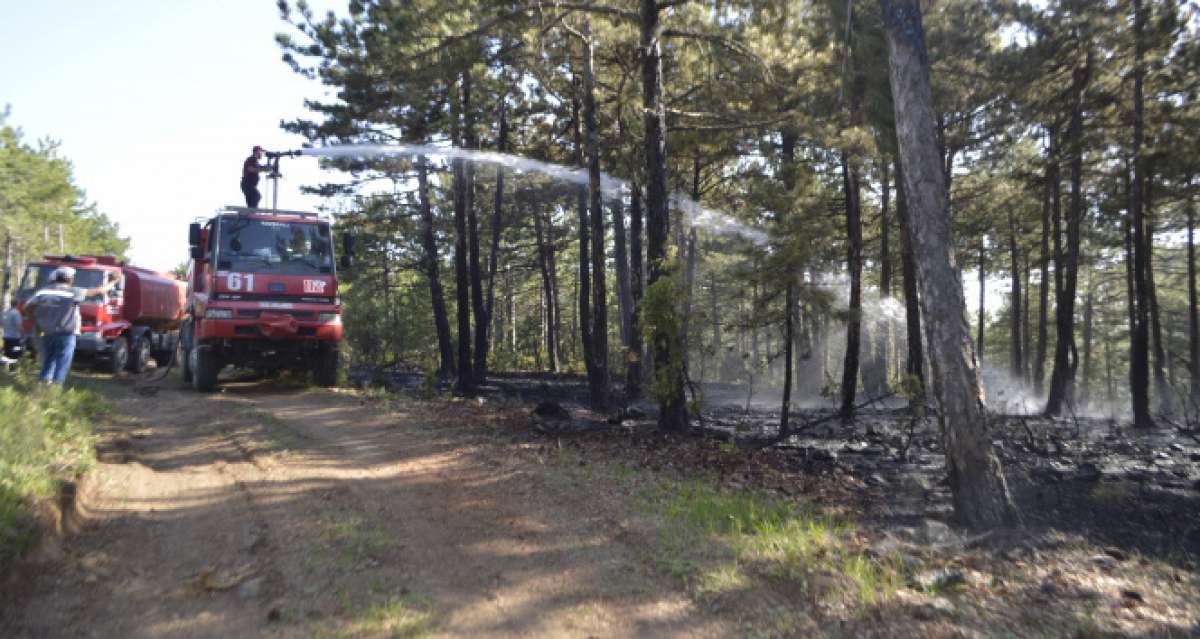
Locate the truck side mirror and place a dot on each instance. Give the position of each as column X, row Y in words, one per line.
column 348, row 244
column 197, row 252
column 194, row 235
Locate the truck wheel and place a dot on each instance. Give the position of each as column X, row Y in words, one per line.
column 326, row 371
column 139, row 359
column 205, row 367
column 185, row 365
column 119, row 358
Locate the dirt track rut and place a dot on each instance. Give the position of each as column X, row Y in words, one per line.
column 267, row 511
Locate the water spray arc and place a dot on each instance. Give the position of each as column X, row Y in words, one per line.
column 611, row 187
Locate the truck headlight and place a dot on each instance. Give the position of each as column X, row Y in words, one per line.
column 329, row 318
column 218, row 313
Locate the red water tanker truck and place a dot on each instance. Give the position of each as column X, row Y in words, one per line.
column 262, row 294
column 138, row 320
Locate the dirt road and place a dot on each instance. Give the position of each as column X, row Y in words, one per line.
column 269, row 511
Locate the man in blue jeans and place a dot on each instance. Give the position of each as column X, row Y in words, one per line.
column 55, row 311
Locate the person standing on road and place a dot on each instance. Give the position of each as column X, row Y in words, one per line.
column 55, row 311
column 250, row 170
column 12, row 331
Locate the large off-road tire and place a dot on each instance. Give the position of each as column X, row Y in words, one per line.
column 185, row 365
column 119, row 358
column 139, row 357
column 205, row 366
column 325, row 372
column 185, row 354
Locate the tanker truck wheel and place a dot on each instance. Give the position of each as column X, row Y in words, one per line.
column 119, row 358
column 205, row 367
column 185, row 352
column 325, row 372
column 139, row 359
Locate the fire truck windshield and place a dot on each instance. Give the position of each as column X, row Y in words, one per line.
column 37, row 277
column 283, row 248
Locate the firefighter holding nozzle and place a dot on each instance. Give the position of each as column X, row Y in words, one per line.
column 250, row 170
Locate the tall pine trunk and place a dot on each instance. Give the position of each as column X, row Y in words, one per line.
column 478, row 309
column 915, row 364
column 598, row 376
column 633, row 369
column 497, row 223
column 854, row 266
column 441, row 319
column 1139, row 339
column 1017, row 304
column 976, row 479
column 1050, row 204
column 466, row 377
column 1193, row 312
column 1062, row 377
column 584, row 289
column 668, row 366
column 546, row 265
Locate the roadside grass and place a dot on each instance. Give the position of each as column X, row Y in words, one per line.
column 45, row 438
column 720, row 541
column 396, row 616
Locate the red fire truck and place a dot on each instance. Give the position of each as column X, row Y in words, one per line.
column 262, row 294
column 137, row 320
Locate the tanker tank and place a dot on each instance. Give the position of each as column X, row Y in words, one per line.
column 153, row 299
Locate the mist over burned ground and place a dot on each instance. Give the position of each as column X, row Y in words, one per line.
column 1105, row 508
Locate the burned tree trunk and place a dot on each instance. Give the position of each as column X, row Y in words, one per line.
column 854, row 266
column 1050, row 206
column 977, row 481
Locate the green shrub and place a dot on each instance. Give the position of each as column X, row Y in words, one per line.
column 45, row 437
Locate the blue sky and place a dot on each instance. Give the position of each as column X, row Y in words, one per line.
column 156, row 102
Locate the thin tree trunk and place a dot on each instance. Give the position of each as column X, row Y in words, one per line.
column 1062, row 377
column 621, row 256
column 1085, row 387
column 982, row 301
column 854, row 266
column 915, row 365
column 785, row 410
column 441, row 319
column 478, row 309
column 1050, row 205
column 585, row 263
column 1139, row 341
column 976, row 479
column 466, row 378
column 598, row 377
column 633, row 369
column 497, row 218
column 1016, row 366
column 883, row 325
column 1193, row 311
column 1161, row 385
column 549, row 293
column 668, row 369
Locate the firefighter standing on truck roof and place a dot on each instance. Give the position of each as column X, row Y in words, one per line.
column 250, row 170
column 55, row 311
